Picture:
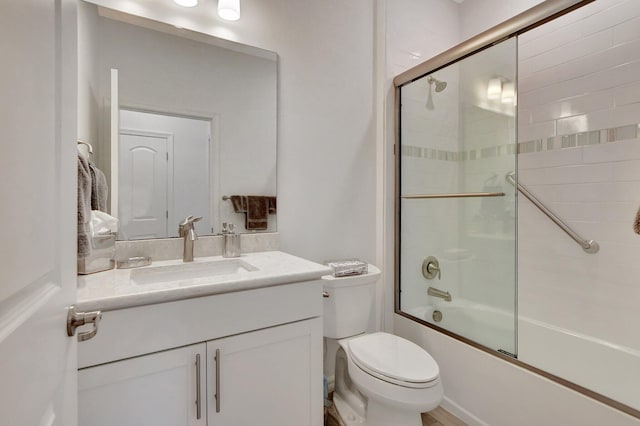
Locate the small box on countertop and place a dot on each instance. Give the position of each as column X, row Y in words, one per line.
column 346, row 267
column 102, row 257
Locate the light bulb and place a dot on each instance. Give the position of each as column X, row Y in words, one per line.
column 508, row 93
column 229, row 10
column 494, row 89
column 186, row 3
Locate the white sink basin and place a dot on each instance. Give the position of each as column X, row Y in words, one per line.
column 197, row 271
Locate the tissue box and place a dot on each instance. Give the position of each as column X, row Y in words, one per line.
column 346, row 267
column 102, row 257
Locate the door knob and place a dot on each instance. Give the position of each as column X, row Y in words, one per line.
column 76, row 319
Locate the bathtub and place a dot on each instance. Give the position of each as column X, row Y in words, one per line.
column 574, row 357
column 489, row 326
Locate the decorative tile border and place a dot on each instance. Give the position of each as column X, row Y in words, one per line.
column 573, row 140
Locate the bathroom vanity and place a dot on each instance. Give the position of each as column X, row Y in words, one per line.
column 241, row 346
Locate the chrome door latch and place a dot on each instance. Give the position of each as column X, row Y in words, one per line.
column 76, row 319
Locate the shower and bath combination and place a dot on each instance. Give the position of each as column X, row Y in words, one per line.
column 440, row 86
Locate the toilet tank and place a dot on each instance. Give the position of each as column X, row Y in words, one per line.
column 347, row 310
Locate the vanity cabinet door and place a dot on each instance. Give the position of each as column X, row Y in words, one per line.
column 270, row 377
column 158, row 389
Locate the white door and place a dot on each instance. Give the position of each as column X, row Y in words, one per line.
column 161, row 389
column 143, row 183
column 270, row 377
column 38, row 211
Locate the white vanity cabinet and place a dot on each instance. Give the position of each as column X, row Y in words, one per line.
column 260, row 361
column 263, row 378
column 159, row 389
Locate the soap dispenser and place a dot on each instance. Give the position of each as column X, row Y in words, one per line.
column 231, row 241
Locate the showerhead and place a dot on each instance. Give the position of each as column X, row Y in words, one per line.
column 440, row 85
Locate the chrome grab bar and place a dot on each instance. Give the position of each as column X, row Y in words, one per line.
column 457, row 195
column 589, row 246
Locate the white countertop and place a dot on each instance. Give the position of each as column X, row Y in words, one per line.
column 110, row 290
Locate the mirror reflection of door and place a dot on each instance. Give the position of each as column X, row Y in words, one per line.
column 163, row 160
column 144, row 184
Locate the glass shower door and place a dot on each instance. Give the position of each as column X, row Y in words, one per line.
column 456, row 227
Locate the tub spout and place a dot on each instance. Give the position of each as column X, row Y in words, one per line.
column 432, row 291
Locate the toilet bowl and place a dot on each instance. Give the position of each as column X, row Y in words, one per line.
column 380, row 379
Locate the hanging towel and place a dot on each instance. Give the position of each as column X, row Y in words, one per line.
column 84, row 207
column 99, row 189
column 239, row 203
column 636, row 223
column 257, row 211
column 273, row 208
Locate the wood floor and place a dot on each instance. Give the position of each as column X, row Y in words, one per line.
column 437, row 417
column 441, row 417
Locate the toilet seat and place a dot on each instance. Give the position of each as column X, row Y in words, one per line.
column 394, row 360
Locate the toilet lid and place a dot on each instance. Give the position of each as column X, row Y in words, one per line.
column 392, row 357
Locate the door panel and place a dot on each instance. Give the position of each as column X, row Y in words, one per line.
column 143, row 180
column 38, row 190
column 270, row 377
column 157, row 389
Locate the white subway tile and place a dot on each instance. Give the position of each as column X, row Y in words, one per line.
column 575, row 124
column 616, row 75
column 627, row 31
column 617, row 14
column 576, row 49
column 576, row 105
column 627, row 171
column 536, row 131
column 556, row 157
column 613, row 151
column 628, row 94
column 549, row 41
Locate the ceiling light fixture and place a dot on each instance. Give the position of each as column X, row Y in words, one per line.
column 229, row 10
column 494, row 90
column 508, row 93
column 186, row 3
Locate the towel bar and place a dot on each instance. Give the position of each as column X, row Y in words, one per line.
column 459, row 195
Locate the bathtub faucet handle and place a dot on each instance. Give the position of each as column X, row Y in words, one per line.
column 431, row 268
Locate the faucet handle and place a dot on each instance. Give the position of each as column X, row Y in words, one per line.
column 187, row 223
column 431, row 268
column 190, row 219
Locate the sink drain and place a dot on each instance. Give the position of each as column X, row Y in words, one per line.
column 437, row 316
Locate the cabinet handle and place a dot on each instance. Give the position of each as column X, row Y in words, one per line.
column 198, row 404
column 217, row 396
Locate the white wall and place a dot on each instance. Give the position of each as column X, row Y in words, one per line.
column 580, row 153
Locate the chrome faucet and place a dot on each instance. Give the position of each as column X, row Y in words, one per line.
column 188, row 232
column 432, row 291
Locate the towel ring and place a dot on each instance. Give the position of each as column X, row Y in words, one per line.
column 89, row 147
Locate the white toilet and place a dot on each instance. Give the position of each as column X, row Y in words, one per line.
column 380, row 379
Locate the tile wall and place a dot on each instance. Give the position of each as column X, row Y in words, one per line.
column 579, row 109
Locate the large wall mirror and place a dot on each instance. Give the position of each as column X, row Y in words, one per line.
column 178, row 121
